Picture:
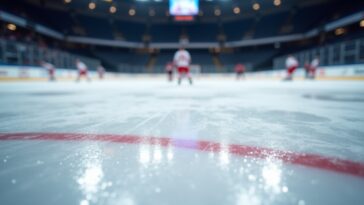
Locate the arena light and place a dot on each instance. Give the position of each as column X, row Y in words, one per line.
column 362, row 23
column 92, row 5
column 217, row 12
column 132, row 12
column 112, row 9
column 256, row 6
column 236, row 10
column 11, row 27
column 67, row 1
column 339, row 31
column 277, row 2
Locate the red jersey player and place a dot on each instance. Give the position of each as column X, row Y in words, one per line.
column 50, row 69
column 239, row 70
column 182, row 60
column 291, row 65
column 82, row 70
column 169, row 70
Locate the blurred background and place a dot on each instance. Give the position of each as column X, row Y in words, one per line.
column 141, row 36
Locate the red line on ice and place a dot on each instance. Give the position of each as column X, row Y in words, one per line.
column 309, row 160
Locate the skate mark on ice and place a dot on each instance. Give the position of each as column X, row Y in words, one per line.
column 46, row 94
column 295, row 116
column 141, row 123
column 162, row 118
column 338, row 98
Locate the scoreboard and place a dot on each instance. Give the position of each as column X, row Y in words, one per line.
column 183, row 10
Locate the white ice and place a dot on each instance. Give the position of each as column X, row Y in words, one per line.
column 324, row 118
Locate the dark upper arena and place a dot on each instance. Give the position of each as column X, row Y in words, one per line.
column 141, row 35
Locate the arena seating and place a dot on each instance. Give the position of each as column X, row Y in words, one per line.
column 79, row 21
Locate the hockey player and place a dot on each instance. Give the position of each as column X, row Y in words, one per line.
column 291, row 65
column 82, row 70
column 313, row 67
column 307, row 69
column 101, row 72
column 50, row 69
column 182, row 60
column 169, row 70
column 239, row 70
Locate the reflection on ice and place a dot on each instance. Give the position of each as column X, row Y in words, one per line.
column 265, row 183
column 170, row 154
column 271, row 174
column 144, row 155
column 284, row 189
column 84, row 202
column 248, row 197
column 224, row 157
column 157, row 155
column 91, row 180
column 260, row 180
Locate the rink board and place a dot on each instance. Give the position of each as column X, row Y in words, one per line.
column 30, row 73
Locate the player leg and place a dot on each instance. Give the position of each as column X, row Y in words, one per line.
column 312, row 72
column 307, row 71
column 290, row 71
column 52, row 75
column 239, row 75
column 188, row 75
column 170, row 77
column 180, row 75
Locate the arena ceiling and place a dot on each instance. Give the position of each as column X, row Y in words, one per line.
column 157, row 10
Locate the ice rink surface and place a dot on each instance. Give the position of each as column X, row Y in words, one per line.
column 104, row 154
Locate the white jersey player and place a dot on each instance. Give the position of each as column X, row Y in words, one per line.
column 313, row 67
column 291, row 65
column 51, row 69
column 82, row 70
column 182, row 60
